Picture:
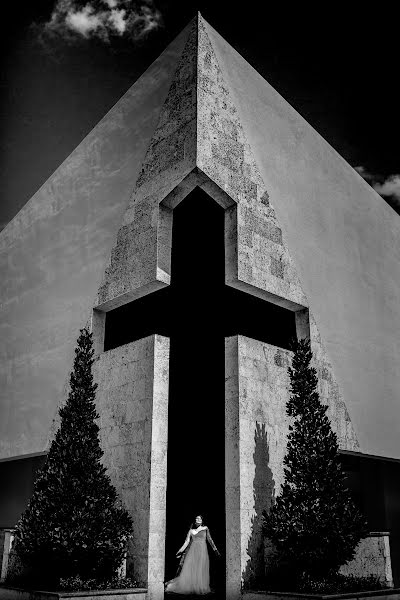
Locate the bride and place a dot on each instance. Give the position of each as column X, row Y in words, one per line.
column 194, row 577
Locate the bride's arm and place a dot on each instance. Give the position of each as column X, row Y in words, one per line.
column 185, row 545
column 210, row 540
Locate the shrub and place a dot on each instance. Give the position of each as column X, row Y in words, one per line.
column 282, row 579
column 76, row 584
column 74, row 524
column 339, row 584
column 314, row 524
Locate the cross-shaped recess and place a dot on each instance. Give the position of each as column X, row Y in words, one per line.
column 197, row 311
column 197, row 299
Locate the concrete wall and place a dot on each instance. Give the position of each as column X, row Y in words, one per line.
column 6, row 537
column 375, row 485
column 199, row 139
column 137, row 262
column 53, row 255
column 372, row 558
column 256, row 433
column 132, row 400
column 257, row 389
column 344, row 240
column 257, row 257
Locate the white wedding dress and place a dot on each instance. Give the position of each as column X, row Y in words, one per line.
column 194, row 577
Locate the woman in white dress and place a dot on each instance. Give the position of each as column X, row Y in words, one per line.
column 194, row 577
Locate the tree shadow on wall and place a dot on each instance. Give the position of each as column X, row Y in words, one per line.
column 263, row 491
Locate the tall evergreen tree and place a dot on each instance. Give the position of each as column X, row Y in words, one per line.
column 314, row 523
column 74, row 523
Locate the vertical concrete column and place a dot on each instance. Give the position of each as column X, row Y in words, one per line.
column 256, row 391
column 158, row 470
column 97, row 327
column 232, row 471
column 6, row 537
column 132, row 401
column 303, row 324
column 388, row 573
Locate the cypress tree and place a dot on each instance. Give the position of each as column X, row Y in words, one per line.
column 74, row 524
column 314, row 524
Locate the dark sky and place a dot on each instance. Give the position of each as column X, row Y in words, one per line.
column 338, row 66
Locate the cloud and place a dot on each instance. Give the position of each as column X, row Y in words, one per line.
column 83, row 21
column 387, row 187
column 364, row 173
column 118, row 20
column 390, row 187
column 72, row 19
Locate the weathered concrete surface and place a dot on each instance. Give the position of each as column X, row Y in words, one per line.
column 200, row 141
column 302, row 215
column 344, row 240
column 132, row 400
column 6, row 536
column 136, row 265
column 372, row 558
column 257, row 390
column 53, row 255
column 257, row 259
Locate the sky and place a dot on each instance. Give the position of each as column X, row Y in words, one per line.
column 65, row 63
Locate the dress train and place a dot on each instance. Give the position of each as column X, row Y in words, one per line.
column 194, row 577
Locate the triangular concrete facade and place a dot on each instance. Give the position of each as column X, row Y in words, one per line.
column 342, row 237
column 230, row 128
column 200, row 141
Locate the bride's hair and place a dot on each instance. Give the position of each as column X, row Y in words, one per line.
column 193, row 525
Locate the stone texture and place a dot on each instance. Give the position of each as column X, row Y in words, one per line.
column 200, row 141
column 136, row 267
column 372, row 558
column 256, row 425
column 330, row 392
column 6, row 536
column 132, row 401
column 257, row 258
column 224, row 155
column 343, row 239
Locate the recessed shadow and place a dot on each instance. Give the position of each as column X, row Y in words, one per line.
column 263, row 491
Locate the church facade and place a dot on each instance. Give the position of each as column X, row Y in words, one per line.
column 199, row 227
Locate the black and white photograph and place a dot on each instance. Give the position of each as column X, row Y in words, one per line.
column 199, row 301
